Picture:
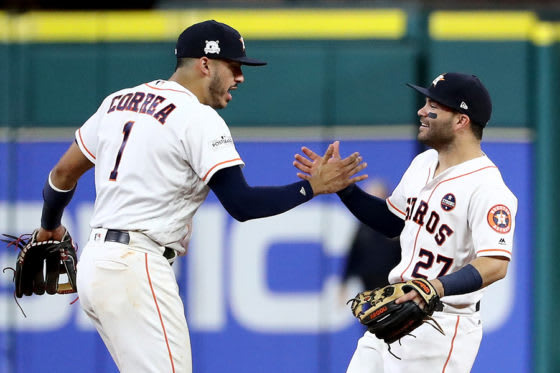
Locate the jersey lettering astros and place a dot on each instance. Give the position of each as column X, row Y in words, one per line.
column 465, row 212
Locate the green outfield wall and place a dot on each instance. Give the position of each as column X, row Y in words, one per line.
column 327, row 67
column 547, row 183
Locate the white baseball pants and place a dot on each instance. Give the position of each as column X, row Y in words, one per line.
column 429, row 352
column 131, row 295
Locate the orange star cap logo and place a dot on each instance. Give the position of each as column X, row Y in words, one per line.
column 439, row 78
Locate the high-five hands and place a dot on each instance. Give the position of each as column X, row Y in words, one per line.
column 329, row 173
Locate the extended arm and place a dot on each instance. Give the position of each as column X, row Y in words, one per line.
column 372, row 211
column 59, row 189
column 244, row 202
column 369, row 209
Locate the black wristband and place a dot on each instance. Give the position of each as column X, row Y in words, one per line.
column 466, row 280
column 55, row 200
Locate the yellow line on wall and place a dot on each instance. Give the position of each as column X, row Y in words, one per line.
column 317, row 24
column 482, row 25
column 167, row 25
column 493, row 25
column 546, row 33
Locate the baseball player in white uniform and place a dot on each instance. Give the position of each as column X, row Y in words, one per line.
column 158, row 148
column 456, row 219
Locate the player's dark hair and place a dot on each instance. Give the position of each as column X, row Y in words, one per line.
column 477, row 130
column 182, row 62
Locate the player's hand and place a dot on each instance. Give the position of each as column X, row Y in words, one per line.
column 55, row 234
column 416, row 298
column 329, row 173
column 413, row 296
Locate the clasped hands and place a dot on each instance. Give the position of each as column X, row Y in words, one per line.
column 329, row 173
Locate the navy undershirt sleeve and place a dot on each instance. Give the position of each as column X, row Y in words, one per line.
column 372, row 211
column 53, row 206
column 466, row 280
column 244, row 202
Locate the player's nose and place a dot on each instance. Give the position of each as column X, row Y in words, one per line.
column 423, row 111
column 239, row 78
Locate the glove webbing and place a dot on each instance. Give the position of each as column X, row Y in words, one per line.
column 18, row 243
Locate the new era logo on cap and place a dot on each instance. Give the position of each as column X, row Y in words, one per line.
column 213, row 40
column 455, row 90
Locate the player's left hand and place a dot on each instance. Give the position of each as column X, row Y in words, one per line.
column 414, row 296
column 44, row 256
column 329, row 173
column 55, row 234
column 389, row 315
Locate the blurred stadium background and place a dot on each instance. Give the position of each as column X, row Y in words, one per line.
column 263, row 296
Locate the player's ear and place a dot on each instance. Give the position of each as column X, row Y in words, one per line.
column 204, row 65
column 462, row 121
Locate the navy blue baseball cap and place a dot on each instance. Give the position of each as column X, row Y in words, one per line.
column 464, row 93
column 213, row 40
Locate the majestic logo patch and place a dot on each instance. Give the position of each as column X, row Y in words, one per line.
column 448, row 202
column 212, row 46
column 499, row 219
column 221, row 142
column 502, row 242
column 436, row 80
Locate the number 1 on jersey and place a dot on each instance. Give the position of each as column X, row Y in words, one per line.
column 126, row 132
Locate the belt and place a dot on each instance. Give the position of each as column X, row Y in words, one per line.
column 439, row 308
column 123, row 237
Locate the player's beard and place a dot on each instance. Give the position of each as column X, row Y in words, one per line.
column 218, row 92
column 438, row 134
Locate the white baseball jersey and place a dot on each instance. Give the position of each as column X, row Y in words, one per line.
column 450, row 219
column 155, row 147
column 465, row 212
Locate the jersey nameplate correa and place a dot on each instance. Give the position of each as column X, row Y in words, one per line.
column 144, row 103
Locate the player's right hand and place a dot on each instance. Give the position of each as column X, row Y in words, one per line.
column 329, row 173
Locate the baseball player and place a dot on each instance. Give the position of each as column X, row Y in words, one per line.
column 158, row 148
column 456, row 219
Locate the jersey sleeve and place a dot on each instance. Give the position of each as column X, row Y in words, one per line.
column 396, row 202
column 209, row 146
column 419, row 166
column 492, row 220
column 86, row 135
